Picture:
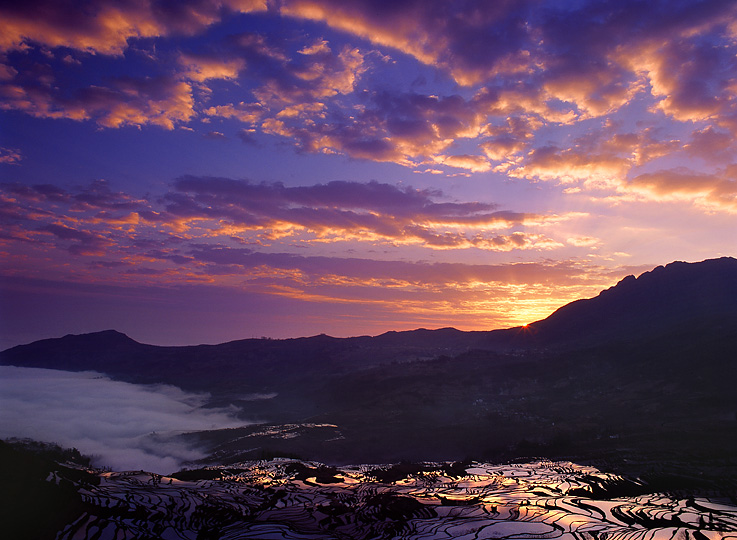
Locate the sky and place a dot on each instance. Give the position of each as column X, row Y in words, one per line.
column 209, row 170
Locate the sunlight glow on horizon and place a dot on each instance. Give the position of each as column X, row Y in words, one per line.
column 316, row 166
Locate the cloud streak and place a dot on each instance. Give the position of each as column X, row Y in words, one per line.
column 338, row 211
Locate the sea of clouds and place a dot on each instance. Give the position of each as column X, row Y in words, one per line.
column 121, row 425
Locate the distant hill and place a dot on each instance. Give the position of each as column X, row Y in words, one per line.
column 646, row 368
column 253, row 362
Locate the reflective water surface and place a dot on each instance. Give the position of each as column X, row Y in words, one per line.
column 289, row 499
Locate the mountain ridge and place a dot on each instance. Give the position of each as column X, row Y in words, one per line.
column 667, row 296
column 714, row 279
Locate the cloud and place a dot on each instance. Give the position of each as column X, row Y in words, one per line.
column 472, row 44
column 100, row 27
column 713, row 192
column 468, row 162
column 10, row 156
column 249, row 290
column 583, row 241
column 340, row 211
column 84, row 221
column 711, row 145
column 248, row 113
column 124, row 426
column 215, row 135
column 201, row 68
column 692, row 79
column 179, row 88
column 619, row 102
column 595, row 91
column 403, row 128
column 315, row 270
column 572, row 165
column 286, row 295
column 525, row 73
column 460, row 294
column 247, row 136
column 598, row 161
column 86, row 243
column 558, row 63
column 96, row 195
column 95, row 218
column 163, row 101
column 314, row 73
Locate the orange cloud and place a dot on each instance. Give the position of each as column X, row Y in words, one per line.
column 714, row 192
column 583, row 241
column 595, row 91
column 303, row 110
column 692, row 79
column 347, row 212
column 312, row 76
column 200, row 209
column 7, row 73
column 711, row 145
column 201, row 68
column 509, row 139
column 502, row 148
column 161, row 101
column 639, row 148
column 248, row 113
column 139, row 106
column 105, row 28
column 495, row 295
column 326, row 138
column 600, row 159
column 572, row 165
column 468, row 162
column 407, row 129
column 431, row 32
column 10, row 156
column 393, row 32
column 528, row 100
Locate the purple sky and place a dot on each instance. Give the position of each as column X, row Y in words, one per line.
column 202, row 171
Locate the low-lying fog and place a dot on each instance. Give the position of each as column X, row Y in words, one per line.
column 124, row 426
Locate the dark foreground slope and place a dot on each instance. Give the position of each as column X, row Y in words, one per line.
column 31, row 506
column 645, row 370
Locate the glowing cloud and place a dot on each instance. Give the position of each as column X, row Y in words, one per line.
column 573, row 133
column 201, row 69
column 710, row 191
column 100, row 27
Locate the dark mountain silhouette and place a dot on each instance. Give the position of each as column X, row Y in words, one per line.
column 645, row 370
column 679, row 295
